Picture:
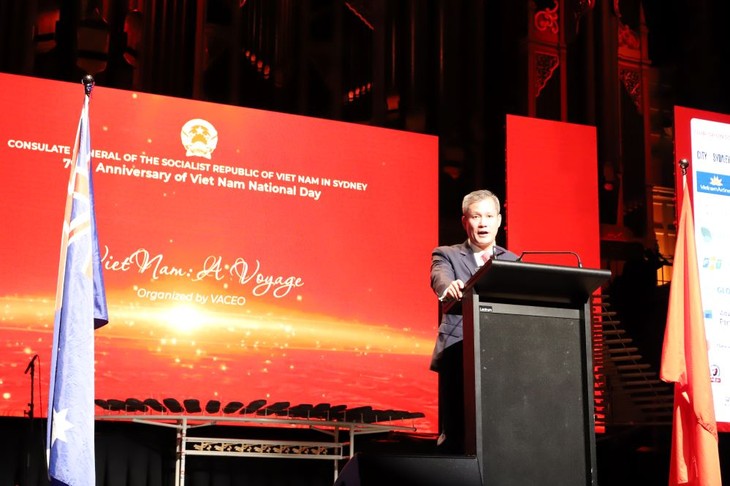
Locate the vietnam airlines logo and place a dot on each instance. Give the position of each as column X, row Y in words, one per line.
column 199, row 138
column 712, row 183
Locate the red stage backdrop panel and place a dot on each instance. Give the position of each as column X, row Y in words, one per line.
column 552, row 191
column 703, row 138
column 247, row 254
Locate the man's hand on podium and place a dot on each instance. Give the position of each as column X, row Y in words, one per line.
column 453, row 291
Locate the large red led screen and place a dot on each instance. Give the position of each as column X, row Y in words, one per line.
column 247, row 254
column 552, row 192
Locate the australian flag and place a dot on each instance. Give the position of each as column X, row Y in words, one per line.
column 80, row 308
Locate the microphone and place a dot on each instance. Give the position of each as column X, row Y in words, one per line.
column 580, row 264
column 30, row 365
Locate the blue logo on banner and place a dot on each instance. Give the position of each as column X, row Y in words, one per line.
column 713, row 183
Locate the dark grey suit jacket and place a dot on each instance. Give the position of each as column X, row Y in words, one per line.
column 449, row 263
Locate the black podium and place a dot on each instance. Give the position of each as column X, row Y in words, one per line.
column 528, row 374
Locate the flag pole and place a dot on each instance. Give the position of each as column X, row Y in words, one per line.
column 80, row 308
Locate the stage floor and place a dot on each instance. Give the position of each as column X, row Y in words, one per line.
column 131, row 454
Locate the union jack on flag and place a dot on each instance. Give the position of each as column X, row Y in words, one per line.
column 80, row 308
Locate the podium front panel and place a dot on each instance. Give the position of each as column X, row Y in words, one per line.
column 532, row 401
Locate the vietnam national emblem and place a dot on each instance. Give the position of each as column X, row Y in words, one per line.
column 199, row 138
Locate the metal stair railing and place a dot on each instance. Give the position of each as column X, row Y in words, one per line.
column 627, row 390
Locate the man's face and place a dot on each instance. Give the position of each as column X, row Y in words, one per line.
column 481, row 223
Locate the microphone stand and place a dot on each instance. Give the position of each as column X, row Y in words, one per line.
column 31, row 405
column 30, row 413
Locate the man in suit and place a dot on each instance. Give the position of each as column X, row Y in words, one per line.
column 451, row 267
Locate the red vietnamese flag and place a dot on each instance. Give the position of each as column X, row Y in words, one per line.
column 695, row 458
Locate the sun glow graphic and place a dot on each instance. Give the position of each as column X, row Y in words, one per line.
column 184, row 318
